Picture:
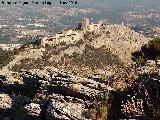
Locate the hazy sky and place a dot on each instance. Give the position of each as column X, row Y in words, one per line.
column 122, row 3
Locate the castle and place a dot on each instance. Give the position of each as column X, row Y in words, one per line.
column 72, row 36
column 86, row 26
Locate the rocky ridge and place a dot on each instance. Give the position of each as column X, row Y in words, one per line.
column 63, row 95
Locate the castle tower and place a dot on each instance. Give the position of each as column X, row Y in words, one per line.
column 85, row 24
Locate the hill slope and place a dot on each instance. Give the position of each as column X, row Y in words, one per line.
column 78, row 81
column 120, row 40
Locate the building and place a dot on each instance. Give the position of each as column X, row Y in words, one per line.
column 85, row 24
column 66, row 31
column 94, row 28
column 71, row 36
column 67, row 36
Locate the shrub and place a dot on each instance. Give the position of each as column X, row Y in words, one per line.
column 80, row 42
column 63, row 43
column 148, row 52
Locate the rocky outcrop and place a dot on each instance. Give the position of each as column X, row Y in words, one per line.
column 65, row 107
column 53, row 94
column 64, row 83
column 5, row 101
column 133, row 107
column 68, row 96
column 33, row 109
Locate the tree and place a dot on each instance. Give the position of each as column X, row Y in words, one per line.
column 150, row 51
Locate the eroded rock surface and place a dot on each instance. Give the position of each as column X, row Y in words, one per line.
column 52, row 94
column 5, row 101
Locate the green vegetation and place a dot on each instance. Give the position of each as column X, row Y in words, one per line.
column 8, row 56
column 87, row 35
column 107, row 33
column 139, row 60
column 79, row 43
column 63, row 43
column 31, row 44
column 101, row 109
column 151, row 51
column 96, row 58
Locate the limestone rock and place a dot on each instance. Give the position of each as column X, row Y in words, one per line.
column 33, row 109
column 5, row 101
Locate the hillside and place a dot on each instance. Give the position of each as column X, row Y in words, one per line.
column 96, row 53
column 120, row 40
column 75, row 81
